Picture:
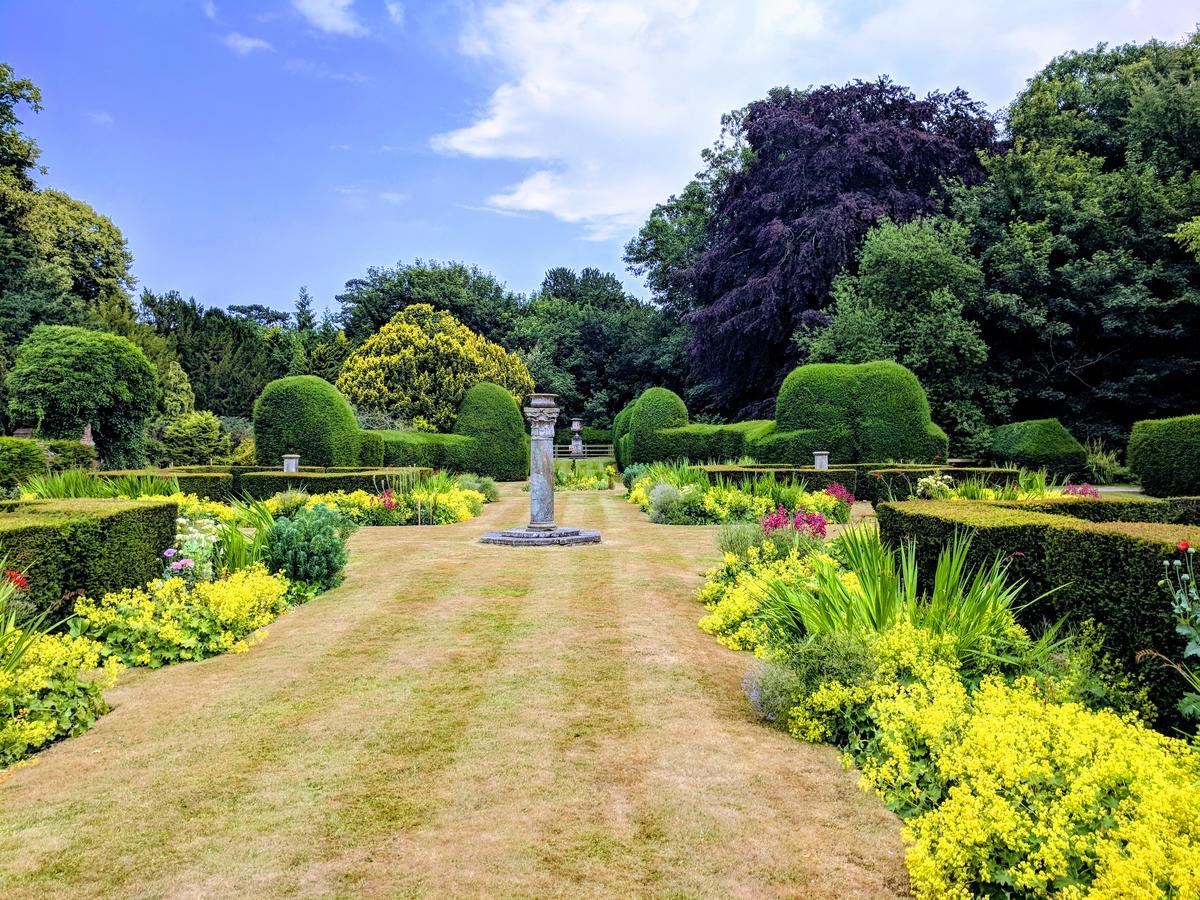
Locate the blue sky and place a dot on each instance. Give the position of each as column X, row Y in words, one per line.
column 247, row 148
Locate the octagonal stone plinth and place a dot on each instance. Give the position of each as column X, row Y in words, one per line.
column 541, row 537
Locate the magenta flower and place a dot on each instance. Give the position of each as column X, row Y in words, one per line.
column 177, row 565
column 838, row 492
column 1081, row 490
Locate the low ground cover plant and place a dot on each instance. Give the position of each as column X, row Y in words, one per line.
column 1020, row 763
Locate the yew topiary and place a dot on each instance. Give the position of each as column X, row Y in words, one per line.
column 657, row 408
column 490, row 415
column 421, row 364
column 305, row 414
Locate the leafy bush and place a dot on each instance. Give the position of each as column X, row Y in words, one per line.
column 20, row 458
column 482, row 484
column 194, row 438
column 309, row 547
column 370, row 449
column 1165, row 455
column 93, row 545
column 174, row 620
column 1039, row 444
column 306, row 415
column 420, row 365
column 490, row 416
column 69, row 455
column 736, row 538
column 65, row 378
column 48, row 685
column 655, row 409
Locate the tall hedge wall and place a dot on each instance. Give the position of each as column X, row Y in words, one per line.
column 84, row 545
column 307, row 415
column 1105, row 570
column 489, row 415
column 1165, row 455
column 1039, row 444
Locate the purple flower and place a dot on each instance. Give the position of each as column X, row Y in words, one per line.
column 169, row 552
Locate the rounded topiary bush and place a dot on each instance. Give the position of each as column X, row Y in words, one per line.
column 305, row 414
column 490, row 415
column 1165, row 455
column 1039, row 444
column 619, row 430
column 656, row 409
column 870, row 412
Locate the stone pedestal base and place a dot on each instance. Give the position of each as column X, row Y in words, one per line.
column 540, row 537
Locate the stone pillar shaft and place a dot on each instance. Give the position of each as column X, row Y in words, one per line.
column 542, row 414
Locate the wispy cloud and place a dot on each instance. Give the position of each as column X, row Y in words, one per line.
column 339, row 147
column 243, row 45
column 318, row 70
column 610, row 101
column 392, row 196
column 210, row 10
column 395, row 11
column 99, row 117
column 332, row 16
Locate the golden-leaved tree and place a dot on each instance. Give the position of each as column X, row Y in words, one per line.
column 419, row 366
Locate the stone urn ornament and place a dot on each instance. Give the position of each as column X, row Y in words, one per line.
column 541, row 530
column 577, row 438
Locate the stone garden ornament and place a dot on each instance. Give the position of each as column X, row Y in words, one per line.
column 541, row 530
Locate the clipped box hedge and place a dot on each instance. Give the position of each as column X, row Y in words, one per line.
column 261, row 485
column 1185, row 510
column 814, row 479
column 419, row 448
column 1165, row 455
column 1103, row 570
column 711, row 442
column 94, row 546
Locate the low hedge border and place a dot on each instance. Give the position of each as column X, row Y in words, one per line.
column 261, row 485
column 211, row 485
column 814, row 479
column 66, row 546
column 1119, row 509
column 1104, row 570
column 878, row 483
column 1185, row 510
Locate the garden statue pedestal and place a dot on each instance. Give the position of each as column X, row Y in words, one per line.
column 541, row 530
column 576, row 438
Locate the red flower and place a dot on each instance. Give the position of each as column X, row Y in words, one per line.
column 17, row 580
column 1184, row 546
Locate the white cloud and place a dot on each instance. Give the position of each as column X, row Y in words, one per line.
column 100, row 117
column 395, row 12
column 333, row 16
column 243, row 45
column 210, row 10
column 392, row 196
column 610, row 101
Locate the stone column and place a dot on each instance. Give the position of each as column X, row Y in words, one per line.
column 542, row 414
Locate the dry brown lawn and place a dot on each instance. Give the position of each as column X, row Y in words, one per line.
column 456, row 720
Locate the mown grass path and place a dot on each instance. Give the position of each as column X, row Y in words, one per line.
column 456, row 720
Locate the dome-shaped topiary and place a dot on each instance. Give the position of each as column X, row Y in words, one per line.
column 421, row 364
column 1039, row 444
column 1165, row 455
column 307, row 415
column 871, row 412
column 490, row 415
column 656, row 409
column 619, row 431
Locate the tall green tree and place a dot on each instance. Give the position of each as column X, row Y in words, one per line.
column 909, row 301
column 1091, row 308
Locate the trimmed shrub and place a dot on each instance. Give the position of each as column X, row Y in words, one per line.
column 69, row 455
column 66, row 546
column 656, row 409
column 711, row 442
column 420, row 365
column 305, row 414
column 193, row 439
column 1039, row 444
column 19, row 459
column 310, row 546
column 1108, row 571
column 420, row 448
column 261, row 485
column 370, row 449
column 874, row 410
column 490, row 415
column 619, row 432
column 1131, row 509
column 1165, row 455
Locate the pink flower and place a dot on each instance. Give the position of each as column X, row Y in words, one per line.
column 1080, row 490
column 838, row 492
column 177, row 565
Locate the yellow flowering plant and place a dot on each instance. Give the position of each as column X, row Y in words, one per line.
column 174, row 620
